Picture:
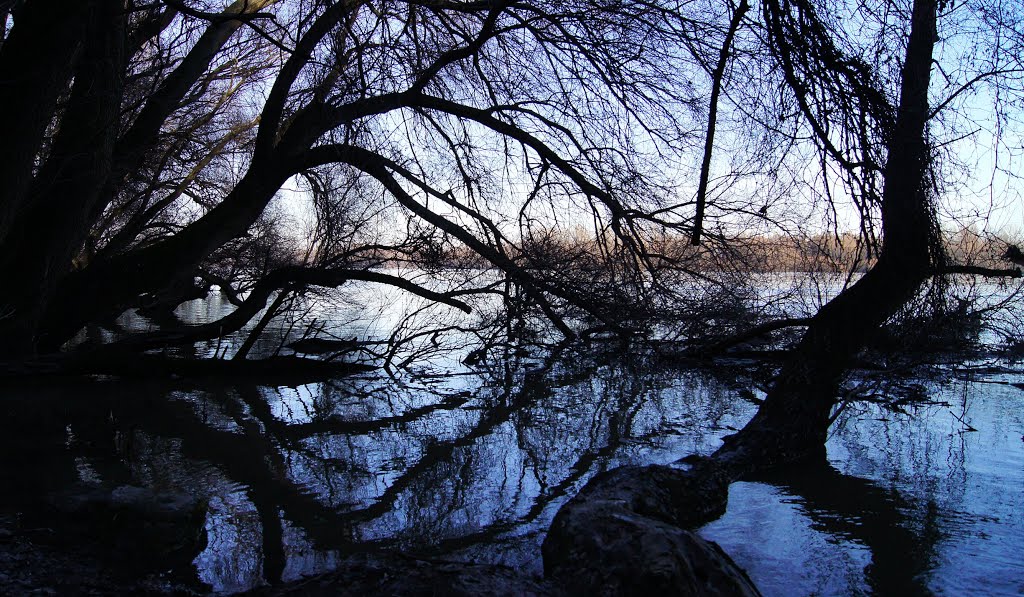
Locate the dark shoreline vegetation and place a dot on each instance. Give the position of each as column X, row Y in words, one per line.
column 266, row 246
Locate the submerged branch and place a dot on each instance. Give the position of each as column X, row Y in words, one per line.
column 292, row 276
column 978, row 271
column 752, row 333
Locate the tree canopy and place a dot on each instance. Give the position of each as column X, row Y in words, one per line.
column 613, row 164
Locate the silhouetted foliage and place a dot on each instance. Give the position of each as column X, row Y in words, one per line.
column 162, row 149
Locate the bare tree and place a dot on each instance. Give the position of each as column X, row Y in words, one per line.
column 881, row 142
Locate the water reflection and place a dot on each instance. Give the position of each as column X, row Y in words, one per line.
column 899, row 534
column 911, row 503
column 473, row 467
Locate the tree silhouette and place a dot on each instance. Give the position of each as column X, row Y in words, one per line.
column 153, row 142
column 613, row 165
column 833, row 90
column 157, row 146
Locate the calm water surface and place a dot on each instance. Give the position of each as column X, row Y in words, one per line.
column 474, row 466
column 910, row 504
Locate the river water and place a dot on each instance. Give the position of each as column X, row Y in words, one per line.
column 471, row 464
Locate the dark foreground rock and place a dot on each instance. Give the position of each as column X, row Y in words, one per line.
column 37, row 561
column 624, row 535
column 95, row 540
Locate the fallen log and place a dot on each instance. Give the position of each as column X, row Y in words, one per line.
column 323, row 345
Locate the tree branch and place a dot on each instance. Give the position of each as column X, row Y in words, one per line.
column 242, row 14
column 754, row 332
column 977, row 271
column 709, row 141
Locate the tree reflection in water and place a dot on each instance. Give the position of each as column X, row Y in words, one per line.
column 900, row 534
column 469, row 467
column 911, row 503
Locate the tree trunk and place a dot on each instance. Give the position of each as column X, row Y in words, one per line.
column 108, row 287
column 48, row 215
column 53, row 221
column 793, row 421
column 35, row 68
column 584, row 546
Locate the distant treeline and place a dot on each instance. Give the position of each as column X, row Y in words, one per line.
column 827, row 252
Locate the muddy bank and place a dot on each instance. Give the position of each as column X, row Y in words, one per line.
column 36, row 561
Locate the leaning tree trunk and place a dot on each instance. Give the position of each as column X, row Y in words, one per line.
column 36, row 65
column 794, row 418
column 624, row 533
